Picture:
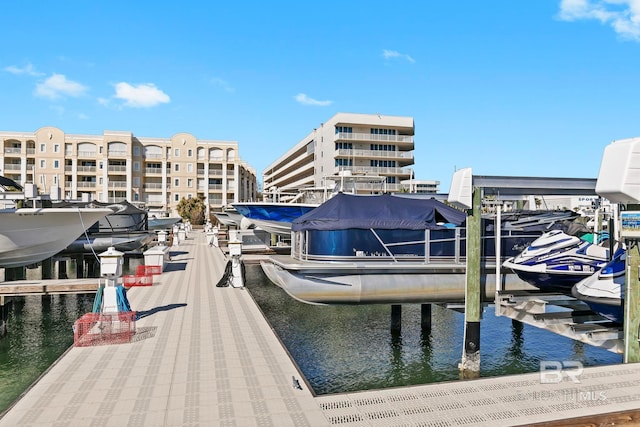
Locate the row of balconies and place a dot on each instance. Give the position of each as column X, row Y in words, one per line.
column 371, row 170
column 370, row 137
column 374, row 154
column 17, row 151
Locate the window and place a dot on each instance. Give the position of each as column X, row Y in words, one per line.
column 176, row 197
column 344, row 145
column 136, row 166
column 55, row 179
column 136, row 151
column 176, row 152
column 344, row 129
column 56, row 164
column 383, row 131
column 189, row 182
column 43, row 148
column 189, row 152
column 190, row 167
column 344, row 162
column 136, row 181
column 56, row 148
column 100, row 150
column 176, row 167
column 176, row 182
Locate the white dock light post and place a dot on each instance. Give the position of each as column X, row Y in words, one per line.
column 162, row 238
column 235, row 251
column 111, row 262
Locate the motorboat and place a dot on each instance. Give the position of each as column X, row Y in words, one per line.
column 162, row 223
column 125, row 229
column 273, row 217
column 557, row 261
column 276, row 215
column 31, row 235
column 356, row 249
column 604, row 290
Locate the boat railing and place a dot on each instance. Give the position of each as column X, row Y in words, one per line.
column 512, row 243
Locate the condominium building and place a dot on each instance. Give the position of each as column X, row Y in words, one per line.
column 373, row 145
column 118, row 166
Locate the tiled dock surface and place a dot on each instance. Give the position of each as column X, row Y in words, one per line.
column 205, row 356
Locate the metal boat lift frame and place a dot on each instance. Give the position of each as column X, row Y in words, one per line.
column 467, row 192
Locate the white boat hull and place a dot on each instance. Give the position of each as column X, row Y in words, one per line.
column 28, row 236
column 379, row 282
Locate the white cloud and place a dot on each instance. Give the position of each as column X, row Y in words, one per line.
column 57, row 86
column 223, row 84
column 303, row 99
column 391, row 54
column 140, row 96
column 27, row 69
column 622, row 15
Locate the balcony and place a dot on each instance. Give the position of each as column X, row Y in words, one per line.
column 372, row 137
column 88, row 154
column 117, row 184
column 377, row 154
column 117, row 153
column 117, row 168
column 153, row 156
column 12, row 166
column 83, row 168
column 13, row 150
column 155, row 186
column 31, row 151
column 153, row 171
column 379, row 171
column 86, row 184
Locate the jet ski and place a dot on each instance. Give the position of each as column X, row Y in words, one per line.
column 557, row 261
column 604, row 290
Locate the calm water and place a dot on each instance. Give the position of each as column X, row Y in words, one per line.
column 350, row 348
column 338, row 348
column 39, row 331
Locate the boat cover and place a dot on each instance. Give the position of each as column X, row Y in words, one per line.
column 346, row 211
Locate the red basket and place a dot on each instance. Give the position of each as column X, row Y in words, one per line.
column 142, row 270
column 104, row 328
column 137, row 280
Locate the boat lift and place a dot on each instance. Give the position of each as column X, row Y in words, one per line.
column 556, row 313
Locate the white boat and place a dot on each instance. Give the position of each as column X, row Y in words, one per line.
column 162, row 223
column 100, row 242
column 30, row 235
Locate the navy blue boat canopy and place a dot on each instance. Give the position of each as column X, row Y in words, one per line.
column 345, row 211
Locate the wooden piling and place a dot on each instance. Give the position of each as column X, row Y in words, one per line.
column 396, row 317
column 631, row 305
column 470, row 365
column 425, row 317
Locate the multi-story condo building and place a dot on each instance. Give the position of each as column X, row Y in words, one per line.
column 358, row 144
column 118, row 166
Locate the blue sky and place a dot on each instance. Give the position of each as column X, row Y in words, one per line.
column 524, row 88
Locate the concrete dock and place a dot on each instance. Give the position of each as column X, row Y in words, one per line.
column 205, row 356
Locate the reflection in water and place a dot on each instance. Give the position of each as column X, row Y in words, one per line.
column 39, row 331
column 350, row 348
